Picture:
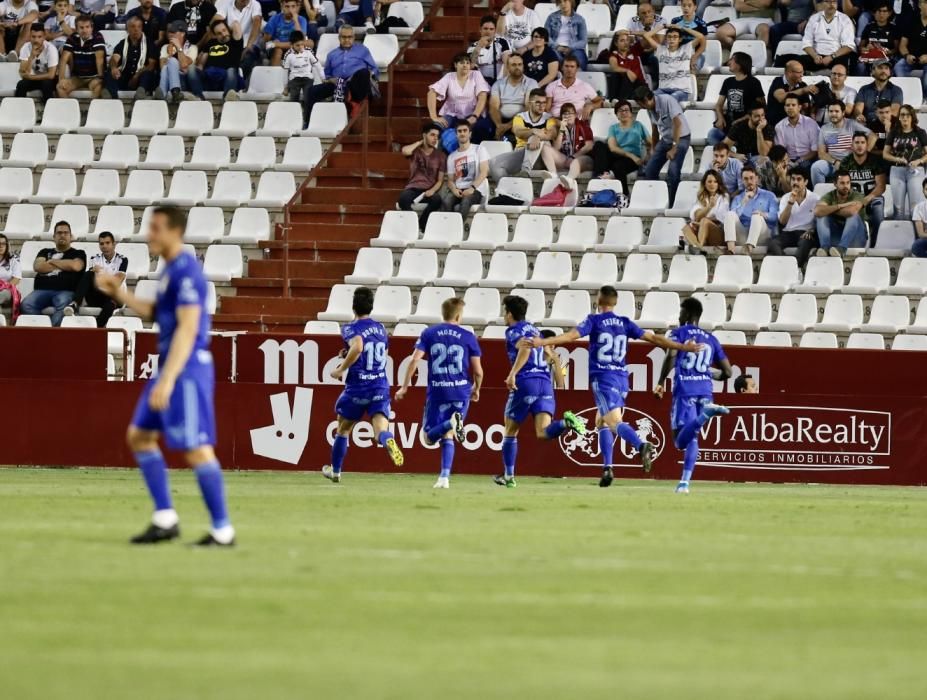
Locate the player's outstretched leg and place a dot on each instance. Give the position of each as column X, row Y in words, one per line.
column 339, row 450
column 387, row 439
column 455, row 423
column 573, row 422
column 607, row 450
column 689, row 457
column 687, row 441
column 165, row 525
column 447, row 463
column 645, row 449
column 212, row 487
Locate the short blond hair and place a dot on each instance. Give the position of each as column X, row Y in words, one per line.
column 452, row 308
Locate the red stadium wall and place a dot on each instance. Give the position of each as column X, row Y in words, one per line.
column 821, row 416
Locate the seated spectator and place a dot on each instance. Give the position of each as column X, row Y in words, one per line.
column 134, row 63
column 59, row 24
column 913, row 47
column 728, row 168
column 624, row 151
column 278, row 29
column 879, row 39
column 627, row 71
column 248, row 15
column 197, row 16
column 516, row 25
column 773, row 171
column 467, row 170
column 754, row 212
column 798, row 133
column 464, row 94
column 753, row 17
column 217, row 66
column 677, row 62
column 829, row 38
column 867, row 175
column 860, row 11
column 489, row 52
column 670, row 136
column 794, row 15
column 178, row 56
column 154, row 21
column 356, row 13
column 692, row 26
column 11, row 273
column 571, row 89
column 303, row 70
column 841, row 219
column 707, row 216
column 57, row 274
column 509, row 96
column 38, row 69
column 348, row 72
column 918, row 248
column 567, row 32
column 571, row 148
column 103, row 12
column 531, row 128
column 835, row 141
column 17, row 18
column 738, row 93
column 882, row 124
column 881, row 88
column 789, row 83
column 108, row 261
column 82, row 62
column 752, row 136
column 837, row 88
column 647, row 20
column 542, row 64
column 796, row 220
column 906, row 150
column 427, row 166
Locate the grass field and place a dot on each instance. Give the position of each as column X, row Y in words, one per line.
column 383, row 588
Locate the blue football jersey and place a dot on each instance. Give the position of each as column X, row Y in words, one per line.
column 181, row 284
column 370, row 368
column 693, row 376
column 536, row 366
column 608, row 341
column 448, row 349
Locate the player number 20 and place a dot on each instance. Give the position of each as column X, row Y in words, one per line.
column 612, row 348
column 375, row 356
column 447, row 359
column 701, row 360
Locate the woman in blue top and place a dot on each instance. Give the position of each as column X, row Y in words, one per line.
column 567, row 32
column 625, row 149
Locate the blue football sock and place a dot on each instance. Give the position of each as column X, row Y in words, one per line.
column 606, row 445
column 339, row 450
column 688, row 460
column 509, row 450
column 555, row 429
column 626, row 433
column 687, row 433
column 447, row 456
column 154, row 470
column 209, row 477
column 384, row 436
column 434, row 434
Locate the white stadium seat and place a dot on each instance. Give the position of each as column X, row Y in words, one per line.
column 383, row 48
column 72, row 151
column 751, row 312
column 507, row 268
column 210, row 152
column 230, row 189
column 114, row 341
column 462, row 268
column 496, row 148
column 56, row 186
column 822, row 276
column 274, row 190
column 778, row 274
column 61, row 115
column 17, row 114
column 255, row 153
column 104, row 117
column 24, row 221
column 664, row 236
column 328, row 42
column 551, row 271
column 481, row 306
column 238, row 119
column 139, row 259
column 595, row 270
column 842, row 313
column 869, row 276
column 731, row 337
column 755, row 49
column 686, row 274
column 733, row 273
column 532, row 232
column 33, row 321
column 99, row 187
column 920, row 318
column 519, row 187
column 648, row 198
column 889, row 314
column 598, row 19
column 660, row 310
column 494, row 332
column 411, row 12
column 193, row 119
column 327, row 119
column 577, row 234
column 601, row 121
column 159, row 265
column 911, row 280
column 569, row 307
column 444, row 230
column 700, row 122
column 223, row 263
column 548, row 186
column 339, row 303
column 818, row 339
column 895, row 238
column 75, row 214
column 910, row 342
column 391, row 304
column 398, row 229
column 487, row 232
column 28, row 151
column 267, row 83
column 300, row 154
column 322, row 328
column 15, row 185
column 773, row 339
column 642, row 271
column 865, row 341
column 204, row 225
column 408, row 330
column 686, row 195
column 428, row 309
column 120, row 151
column 149, row 117
column 164, row 153
column 249, row 226
column 78, row 322
column 416, row 267
column 188, row 188
column 372, row 266
column 143, row 187
column 282, row 119
column 622, row 235
column 797, row 312
column 714, row 309
column 118, row 220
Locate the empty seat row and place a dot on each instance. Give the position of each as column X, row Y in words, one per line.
column 121, row 151
column 204, row 225
column 143, row 187
column 150, row 117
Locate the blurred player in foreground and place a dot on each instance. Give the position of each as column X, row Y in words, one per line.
column 692, row 388
column 609, row 334
column 366, row 388
column 455, row 375
column 531, row 389
column 178, row 400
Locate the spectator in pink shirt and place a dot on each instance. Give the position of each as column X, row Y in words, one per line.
column 465, row 94
column 573, row 90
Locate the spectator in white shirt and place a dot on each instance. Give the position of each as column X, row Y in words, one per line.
column 248, row 15
column 516, row 24
column 796, row 220
column 707, row 216
column 16, row 18
column 38, row 68
column 59, row 24
column 303, row 70
column 829, row 39
column 467, row 171
column 108, row 261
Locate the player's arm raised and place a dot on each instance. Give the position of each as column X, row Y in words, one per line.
column 417, row 357
column 355, row 348
column 111, row 285
column 476, row 371
column 188, row 323
column 538, row 342
column 662, row 341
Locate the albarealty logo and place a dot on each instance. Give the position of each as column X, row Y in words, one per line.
column 798, row 438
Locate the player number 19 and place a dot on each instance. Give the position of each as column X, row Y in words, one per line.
column 375, row 356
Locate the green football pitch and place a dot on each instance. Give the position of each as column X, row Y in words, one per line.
column 384, row 588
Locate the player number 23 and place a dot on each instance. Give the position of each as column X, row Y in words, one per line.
column 612, row 348
column 447, row 359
